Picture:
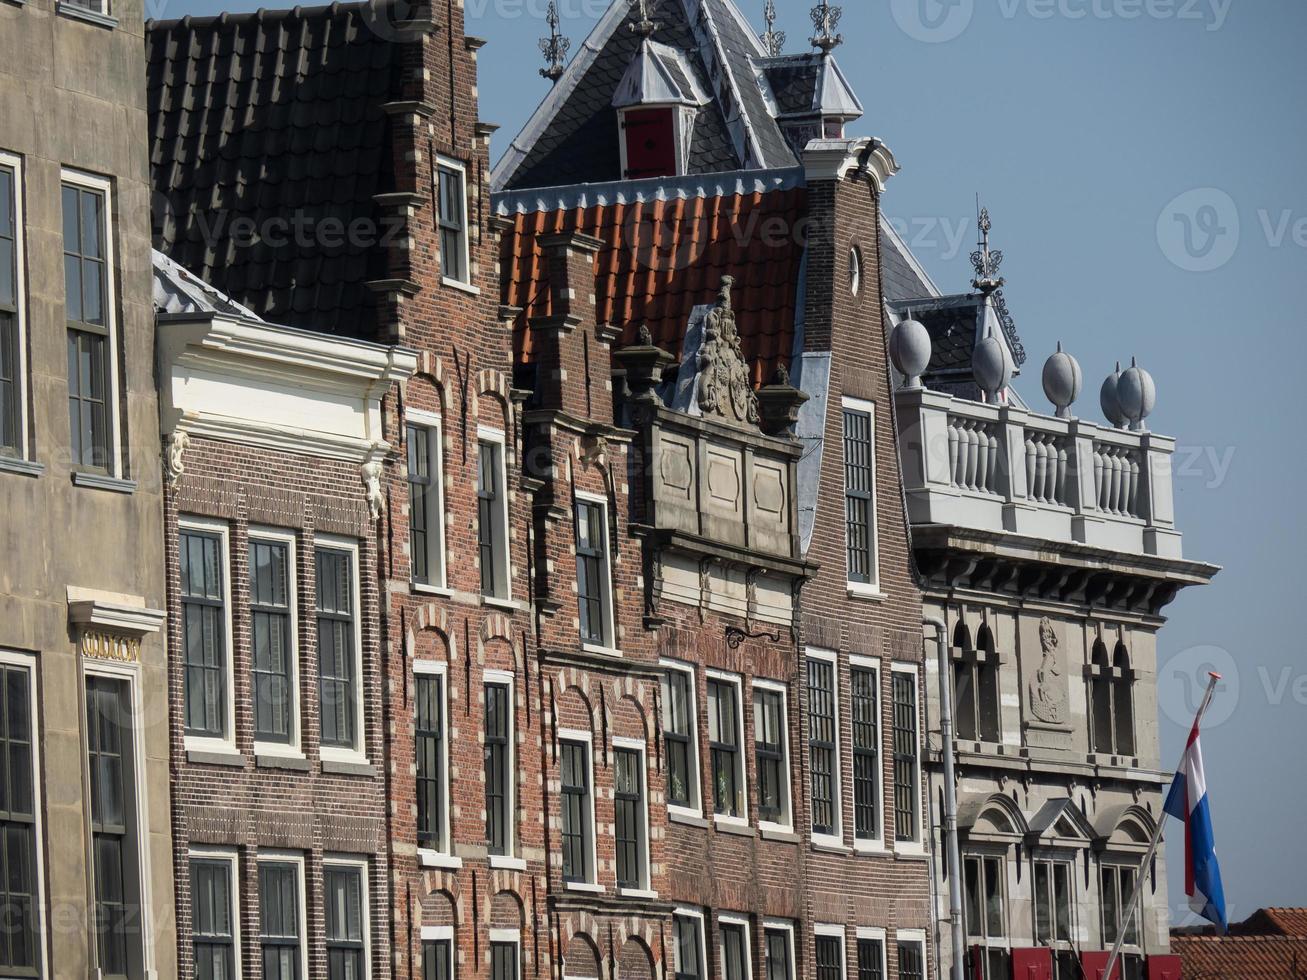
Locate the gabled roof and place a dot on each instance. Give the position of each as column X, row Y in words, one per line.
column 810, row 84
column 659, row 75
column 257, row 120
column 177, row 291
column 1061, row 820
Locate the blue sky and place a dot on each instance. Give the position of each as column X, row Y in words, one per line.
column 1143, row 161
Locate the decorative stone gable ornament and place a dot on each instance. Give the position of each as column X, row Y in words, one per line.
column 371, row 472
column 724, row 388
column 174, row 453
column 1047, row 692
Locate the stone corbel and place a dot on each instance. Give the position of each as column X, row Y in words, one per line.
column 175, row 445
column 371, row 475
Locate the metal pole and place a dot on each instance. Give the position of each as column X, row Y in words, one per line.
column 1212, row 679
column 950, row 801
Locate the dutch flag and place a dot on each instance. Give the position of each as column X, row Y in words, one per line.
column 1188, row 802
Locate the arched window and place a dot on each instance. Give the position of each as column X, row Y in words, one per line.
column 1111, row 694
column 975, row 685
column 1123, row 714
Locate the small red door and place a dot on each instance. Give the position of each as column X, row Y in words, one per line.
column 650, row 143
column 1032, row 964
column 1164, row 968
column 1095, row 965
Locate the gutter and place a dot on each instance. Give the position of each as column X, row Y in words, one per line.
column 950, row 801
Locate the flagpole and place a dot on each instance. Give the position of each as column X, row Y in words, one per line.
column 1142, row 877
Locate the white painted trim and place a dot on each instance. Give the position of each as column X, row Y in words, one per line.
column 31, row 664
column 876, row 933
column 496, row 437
column 580, row 737
column 429, row 857
column 742, row 764
column 609, row 642
column 729, row 919
column 781, row 925
column 695, row 809
column 228, row 856
column 440, row 934
column 436, row 933
column 875, row 844
column 506, row 936
column 687, row 912
column 271, row 856
column 294, row 748
column 919, row 845
column 638, row 746
column 358, row 754
column 113, row 405
column 786, row 823
column 460, row 168
column 870, row 589
column 14, row 162
column 835, row 839
column 220, row 528
column 910, row 936
column 832, row 931
column 436, row 546
column 509, row 859
column 361, row 864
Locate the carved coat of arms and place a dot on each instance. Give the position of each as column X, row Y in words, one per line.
column 724, row 388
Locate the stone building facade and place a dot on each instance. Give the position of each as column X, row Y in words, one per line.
column 88, row 888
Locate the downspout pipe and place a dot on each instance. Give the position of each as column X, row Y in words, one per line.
column 950, row 800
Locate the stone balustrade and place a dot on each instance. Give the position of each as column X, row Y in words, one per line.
column 1003, row 468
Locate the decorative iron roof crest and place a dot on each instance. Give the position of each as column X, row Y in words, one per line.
column 644, row 24
column 772, row 39
column 986, row 262
column 826, row 20
column 724, row 388
column 554, row 47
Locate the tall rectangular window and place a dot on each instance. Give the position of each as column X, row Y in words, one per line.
column 593, row 577
column 630, row 816
column 452, row 190
column 688, row 949
column 19, row 845
column 860, row 492
column 724, row 747
column 114, row 843
column 12, row 436
column 734, row 948
column 339, row 663
column 213, row 917
column 769, row 741
column 347, row 917
column 823, row 754
column 426, row 509
column 578, row 810
column 828, row 951
column 907, row 802
column 1118, row 884
column 499, row 762
column 204, row 633
column 430, row 752
column 437, row 958
column 504, row 956
column 492, row 519
column 871, row 958
column 1054, row 905
column 986, row 924
column 778, row 946
column 88, row 299
column 865, row 704
column 272, row 661
column 281, row 938
column 679, row 737
column 912, row 959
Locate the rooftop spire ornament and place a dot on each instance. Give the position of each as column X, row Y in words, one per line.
column 554, row 47
column 644, row 25
column 826, row 19
column 772, row 39
column 986, row 262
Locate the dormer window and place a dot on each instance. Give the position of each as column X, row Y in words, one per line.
column 649, row 143
column 656, row 102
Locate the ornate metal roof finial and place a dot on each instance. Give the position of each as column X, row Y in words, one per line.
column 826, row 19
column 772, row 39
column 554, row 47
column 984, row 260
column 645, row 25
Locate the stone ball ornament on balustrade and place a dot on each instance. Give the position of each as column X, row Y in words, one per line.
column 1062, row 381
column 1137, row 394
column 1110, row 399
column 991, row 366
column 909, row 349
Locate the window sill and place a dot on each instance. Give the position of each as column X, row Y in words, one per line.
column 421, row 588
column 507, row 863
column 646, row 893
column 909, row 849
column 12, row 464
column 601, row 651
column 583, row 886
column 868, row 593
column 778, row 832
column 89, row 16
column 732, row 825
column 869, row 846
column 494, row 602
column 102, row 481
column 214, row 757
column 434, row 859
column 691, row 818
column 458, row 284
column 348, row 767
column 281, row 760
column 830, row 844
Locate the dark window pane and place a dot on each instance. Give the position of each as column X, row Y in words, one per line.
column 912, row 961
column 779, row 965
column 724, row 747
column 346, row 918
column 829, row 953
column 906, row 802
column 574, row 768
column 437, row 961
column 734, row 952
column 17, row 823
column 211, row 920
column 430, row 752
column 677, row 735
column 821, row 745
column 871, row 959
column 498, row 728
column 503, row 961
column 114, row 845
column 279, row 920
column 866, row 753
column 592, row 572
column 490, row 529
column 204, row 629
column 273, row 647
column 689, row 953
column 859, row 496
column 629, row 809
column 338, row 679
column 769, row 752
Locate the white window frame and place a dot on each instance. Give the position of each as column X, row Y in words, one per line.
column 918, row 846
column 866, row 590
column 436, row 934
column 836, row 839
column 741, row 755
column 510, row 860
column 734, row 919
column 695, row 809
column 428, row 857
column 458, row 166
column 876, row 844
column 590, row 884
column 513, row 936
column 781, row 925
column 609, row 611
column 832, row 931
column 12, row 161
column 686, row 912
column 877, row 933
column 505, row 585
column 228, row 856
column 358, row 754
column 917, row 936
column 131, row 673
column 294, row 749
column 113, row 407
column 270, row 856
column 31, row 664
column 221, row 529
column 638, row 746
column 436, row 543
column 362, row 866
column 786, row 823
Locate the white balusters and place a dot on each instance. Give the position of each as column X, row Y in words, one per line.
column 1116, row 479
column 973, row 449
column 1046, row 467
